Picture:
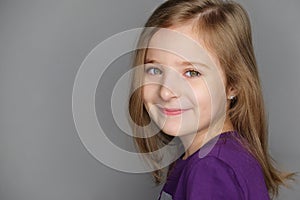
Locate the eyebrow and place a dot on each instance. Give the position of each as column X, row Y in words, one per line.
column 184, row 63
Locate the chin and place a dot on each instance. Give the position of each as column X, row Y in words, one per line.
column 176, row 131
column 172, row 131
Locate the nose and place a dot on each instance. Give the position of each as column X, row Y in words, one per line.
column 167, row 93
column 170, row 85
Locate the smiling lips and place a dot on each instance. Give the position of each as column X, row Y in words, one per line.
column 167, row 111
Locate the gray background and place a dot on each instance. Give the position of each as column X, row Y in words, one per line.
column 43, row 43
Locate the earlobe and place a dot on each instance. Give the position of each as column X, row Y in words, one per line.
column 231, row 93
column 231, row 97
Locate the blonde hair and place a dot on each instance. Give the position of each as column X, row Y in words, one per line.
column 226, row 32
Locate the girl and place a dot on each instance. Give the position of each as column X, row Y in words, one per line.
column 209, row 96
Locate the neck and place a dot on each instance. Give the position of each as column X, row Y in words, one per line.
column 194, row 142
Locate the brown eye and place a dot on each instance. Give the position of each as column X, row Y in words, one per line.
column 192, row 73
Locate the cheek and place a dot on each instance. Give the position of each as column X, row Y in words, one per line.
column 201, row 95
column 149, row 93
column 204, row 103
column 218, row 98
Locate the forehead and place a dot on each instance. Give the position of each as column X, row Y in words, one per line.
column 178, row 43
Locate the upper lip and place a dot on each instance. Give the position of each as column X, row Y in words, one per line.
column 172, row 109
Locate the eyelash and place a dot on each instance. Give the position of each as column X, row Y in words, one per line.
column 152, row 68
column 193, row 70
column 160, row 72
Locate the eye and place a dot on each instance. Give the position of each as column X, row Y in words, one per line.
column 153, row 71
column 192, row 73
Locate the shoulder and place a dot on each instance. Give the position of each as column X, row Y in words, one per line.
column 210, row 177
column 246, row 167
column 228, row 151
column 209, row 166
column 230, row 166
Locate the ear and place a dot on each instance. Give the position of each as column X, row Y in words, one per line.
column 232, row 92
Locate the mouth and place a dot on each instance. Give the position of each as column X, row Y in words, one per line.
column 172, row 112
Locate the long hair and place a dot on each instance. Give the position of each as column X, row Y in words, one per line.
column 224, row 27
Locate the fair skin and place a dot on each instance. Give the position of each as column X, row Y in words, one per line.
column 184, row 88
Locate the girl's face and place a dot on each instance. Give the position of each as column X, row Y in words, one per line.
column 184, row 87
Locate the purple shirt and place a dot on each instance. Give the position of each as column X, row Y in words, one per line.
column 227, row 171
